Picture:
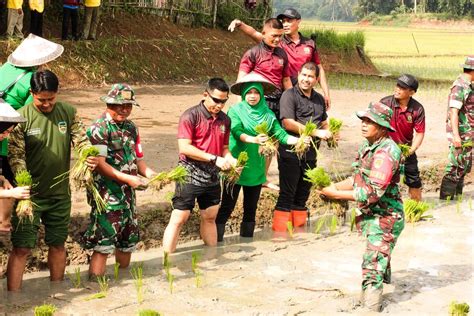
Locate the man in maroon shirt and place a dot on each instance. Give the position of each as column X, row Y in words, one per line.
column 409, row 122
column 298, row 48
column 203, row 142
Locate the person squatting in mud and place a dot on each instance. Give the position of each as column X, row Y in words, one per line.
column 203, row 142
column 245, row 116
column 115, row 230
column 374, row 187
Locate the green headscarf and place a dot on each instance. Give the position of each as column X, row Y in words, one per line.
column 250, row 115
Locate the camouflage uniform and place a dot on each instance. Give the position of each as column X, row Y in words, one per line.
column 381, row 218
column 117, row 227
column 459, row 159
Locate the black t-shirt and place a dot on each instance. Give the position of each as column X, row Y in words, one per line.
column 294, row 104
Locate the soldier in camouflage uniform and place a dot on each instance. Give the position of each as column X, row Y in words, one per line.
column 50, row 130
column 120, row 163
column 460, row 131
column 374, row 186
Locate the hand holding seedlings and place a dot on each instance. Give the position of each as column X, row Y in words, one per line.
column 20, row 193
column 92, row 162
column 223, row 163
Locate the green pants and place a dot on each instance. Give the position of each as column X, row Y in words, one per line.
column 459, row 163
column 91, row 21
column 54, row 214
column 382, row 233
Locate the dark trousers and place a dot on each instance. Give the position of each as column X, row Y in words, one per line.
column 294, row 190
column 229, row 199
column 36, row 23
column 70, row 15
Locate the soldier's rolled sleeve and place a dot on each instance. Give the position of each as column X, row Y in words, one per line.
column 78, row 133
column 98, row 138
column 16, row 149
column 456, row 97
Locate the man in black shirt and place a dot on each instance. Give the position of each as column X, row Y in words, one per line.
column 298, row 106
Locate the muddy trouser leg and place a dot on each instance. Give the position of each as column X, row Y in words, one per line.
column 94, row 23
column 382, row 234
column 87, row 22
column 459, row 164
column 229, row 199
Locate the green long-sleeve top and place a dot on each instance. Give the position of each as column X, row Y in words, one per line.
column 244, row 118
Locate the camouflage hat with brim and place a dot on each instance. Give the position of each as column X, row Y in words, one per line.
column 8, row 114
column 121, row 93
column 378, row 113
column 468, row 63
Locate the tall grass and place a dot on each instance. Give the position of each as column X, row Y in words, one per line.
column 330, row 40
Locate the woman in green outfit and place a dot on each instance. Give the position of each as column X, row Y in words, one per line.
column 245, row 116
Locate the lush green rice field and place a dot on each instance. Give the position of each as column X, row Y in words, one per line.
column 433, row 54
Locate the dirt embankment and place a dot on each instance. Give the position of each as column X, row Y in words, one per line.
column 158, row 53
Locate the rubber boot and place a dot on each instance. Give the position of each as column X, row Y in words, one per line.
column 220, row 232
column 448, row 189
column 280, row 221
column 387, row 276
column 299, row 217
column 414, row 193
column 246, row 229
column 373, row 299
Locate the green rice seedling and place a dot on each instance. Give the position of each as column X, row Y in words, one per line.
column 301, row 147
column 24, row 208
column 195, row 257
column 232, row 175
column 137, row 274
column 318, row 177
column 458, row 309
column 405, row 149
column 319, row 225
column 289, row 227
column 335, row 126
column 469, row 202
column 269, row 148
column 148, row 312
column 467, row 144
column 164, row 178
column 45, row 310
column 103, row 283
column 353, row 219
column 116, row 271
column 448, row 200
column 459, row 200
column 96, row 296
column 167, row 267
column 75, row 277
column 415, row 210
column 333, row 225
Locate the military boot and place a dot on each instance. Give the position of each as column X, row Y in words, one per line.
column 373, row 298
column 220, row 232
column 448, row 189
column 387, row 276
column 246, row 229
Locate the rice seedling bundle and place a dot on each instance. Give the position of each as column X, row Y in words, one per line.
column 164, row 178
column 335, row 126
column 231, row 175
column 268, row 149
column 415, row 210
column 301, row 147
column 195, row 257
column 405, row 149
column 45, row 310
column 318, row 177
column 24, row 208
column 458, row 309
column 148, row 312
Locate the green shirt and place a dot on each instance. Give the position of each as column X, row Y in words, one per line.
column 244, row 118
column 18, row 95
column 42, row 145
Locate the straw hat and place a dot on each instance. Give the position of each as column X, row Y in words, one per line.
column 8, row 114
column 268, row 87
column 35, row 51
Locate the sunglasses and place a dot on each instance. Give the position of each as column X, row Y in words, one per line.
column 216, row 100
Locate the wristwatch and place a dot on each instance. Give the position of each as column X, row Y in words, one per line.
column 213, row 159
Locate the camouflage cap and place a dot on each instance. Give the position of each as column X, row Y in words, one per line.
column 378, row 113
column 468, row 63
column 121, row 93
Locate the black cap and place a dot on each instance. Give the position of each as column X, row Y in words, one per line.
column 408, row 81
column 290, row 14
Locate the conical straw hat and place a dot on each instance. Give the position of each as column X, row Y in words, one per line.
column 8, row 114
column 35, row 51
column 268, row 87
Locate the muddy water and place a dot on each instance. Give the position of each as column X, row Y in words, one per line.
column 278, row 275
